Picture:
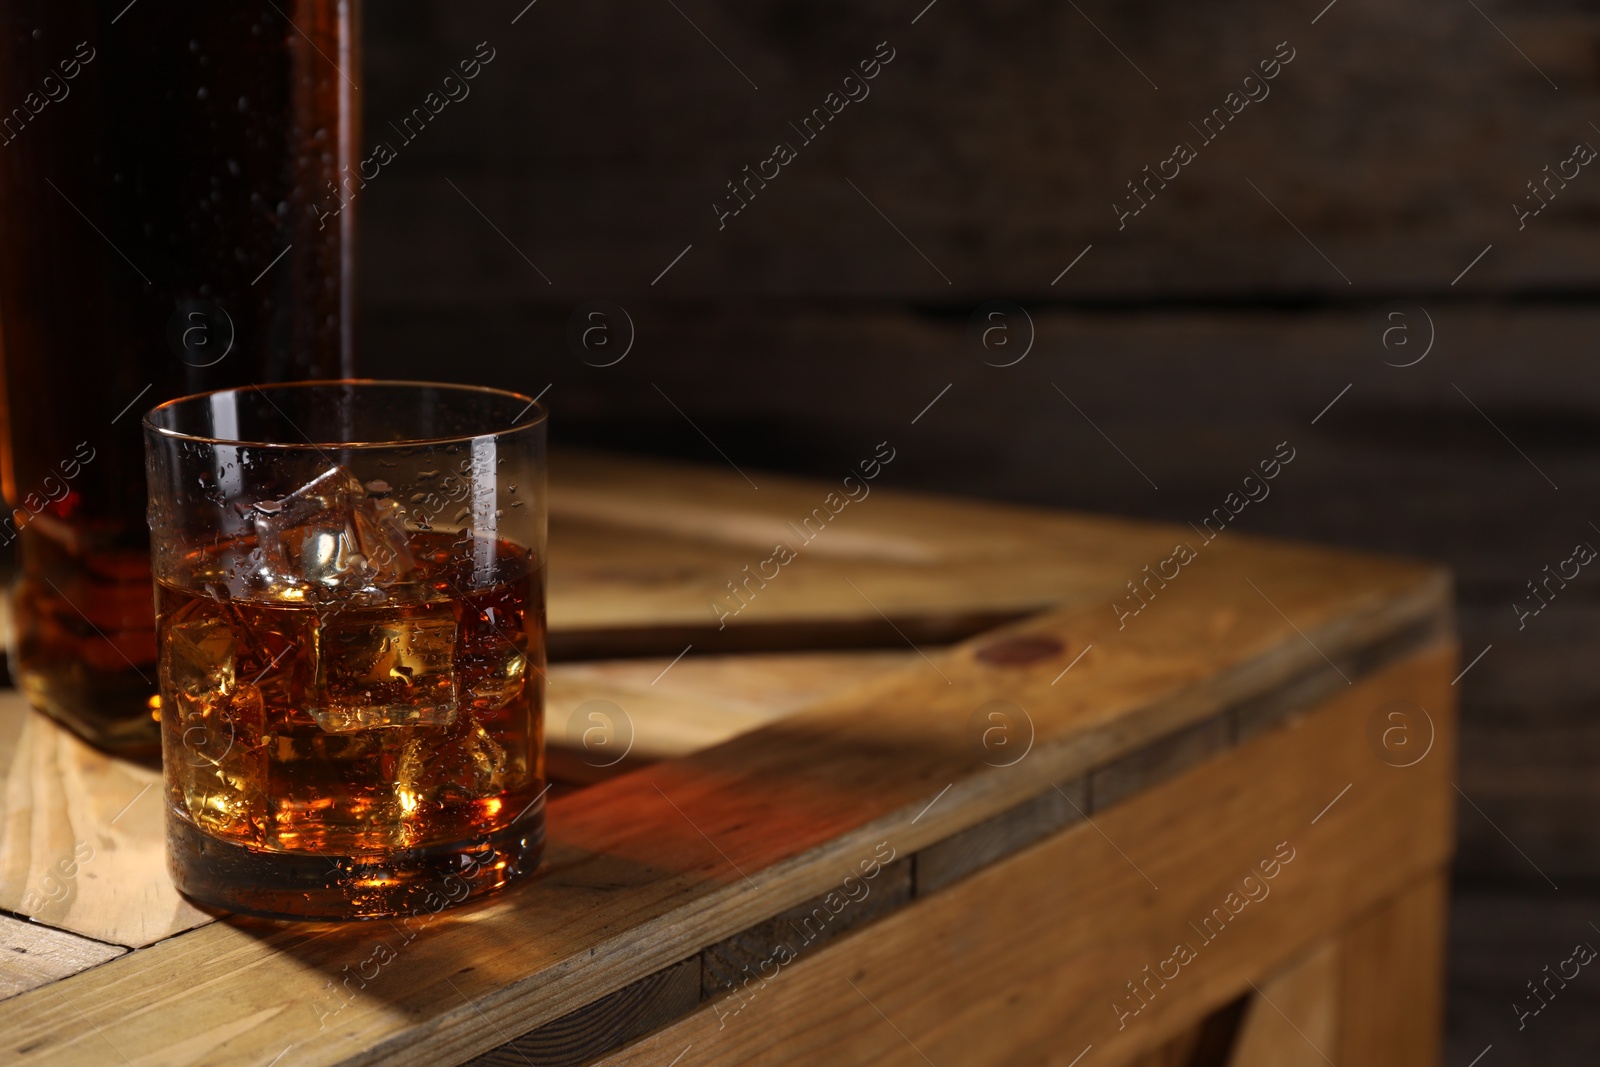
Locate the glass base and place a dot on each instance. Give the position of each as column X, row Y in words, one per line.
column 286, row 885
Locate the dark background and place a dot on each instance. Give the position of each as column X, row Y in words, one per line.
column 1221, row 320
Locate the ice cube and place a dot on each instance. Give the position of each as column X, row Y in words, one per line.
column 331, row 532
column 198, row 654
column 493, row 669
column 463, row 763
column 277, row 657
column 494, row 677
column 215, row 750
column 380, row 531
column 494, row 666
column 221, row 765
column 335, row 792
column 391, row 671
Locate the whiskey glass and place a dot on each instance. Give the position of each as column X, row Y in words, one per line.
column 349, row 584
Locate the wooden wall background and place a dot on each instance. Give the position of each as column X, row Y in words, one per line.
column 592, row 147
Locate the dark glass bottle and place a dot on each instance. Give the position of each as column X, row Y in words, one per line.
column 161, row 168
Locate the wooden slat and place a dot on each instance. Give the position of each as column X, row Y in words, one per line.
column 1293, row 1021
column 736, row 960
column 649, row 543
column 604, row 1025
column 82, row 837
column 1391, row 980
column 32, row 955
column 673, row 709
column 1155, row 763
column 60, row 797
column 1208, row 1043
column 626, row 173
column 959, row 855
column 982, row 974
column 649, row 867
column 1176, row 1053
column 921, row 626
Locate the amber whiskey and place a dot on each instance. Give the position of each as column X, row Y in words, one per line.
column 337, row 751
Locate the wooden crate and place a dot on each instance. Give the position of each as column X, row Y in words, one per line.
column 822, row 847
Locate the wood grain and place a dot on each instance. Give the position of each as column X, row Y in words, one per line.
column 891, row 553
column 32, row 955
column 1391, row 980
column 1206, row 1044
column 649, row 867
column 1156, row 763
column 82, row 837
column 978, row 974
column 1396, row 167
column 604, row 1025
column 1179, row 1052
column 673, row 709
column 1293, row 1020
column 923, row 627
column 959, row 855
column 735, row 962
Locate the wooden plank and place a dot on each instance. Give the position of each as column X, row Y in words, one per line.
column 1293, row 1021
column 959, row 855
column 1206, row 1044
column 979, row 974
column 1176, row 1053
column 736, row 963
column 82, row 837
column 1156, row 763
column 32, row 955
column 923, row 627
column 627, row 172
column 1391, row 980
column 645, row 869
column 604, row 1025
column 56, row 832
column 908, row 555
column 671, row 709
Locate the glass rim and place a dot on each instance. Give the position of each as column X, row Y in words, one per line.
column 540, row 414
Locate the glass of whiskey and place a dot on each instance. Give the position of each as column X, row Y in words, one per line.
column 350, row 630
